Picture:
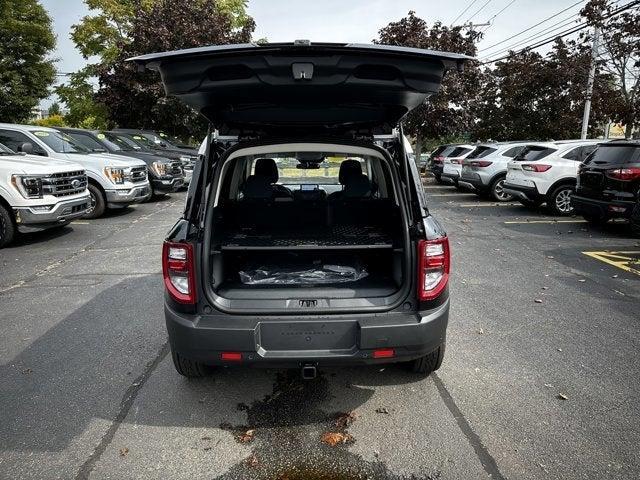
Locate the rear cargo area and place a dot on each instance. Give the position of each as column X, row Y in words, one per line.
column 343, row 250
column 308, row 240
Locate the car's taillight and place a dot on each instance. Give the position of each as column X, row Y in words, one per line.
column 455, row 161
column 534, row 167
column 624, row 174
column 433, row 267
column 178, row 271
column 438, row 159
column 480, row 163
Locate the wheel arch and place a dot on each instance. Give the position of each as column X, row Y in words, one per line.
column 5, row 203
column 558, row 183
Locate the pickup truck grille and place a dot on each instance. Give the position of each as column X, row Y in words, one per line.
column 65, row 184
column 138, row 174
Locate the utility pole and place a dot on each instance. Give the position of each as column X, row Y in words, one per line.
column 472, row 25
column 590, row 80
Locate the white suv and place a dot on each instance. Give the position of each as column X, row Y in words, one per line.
column 38, row 193
column 485, row 169
column 452, row 164
column 547, row 172
column 114, row 181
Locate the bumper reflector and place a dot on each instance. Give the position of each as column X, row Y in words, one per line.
column 231, row 356
column 384, row 353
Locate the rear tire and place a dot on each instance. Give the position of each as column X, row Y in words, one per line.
column 429, row 363
column 497, row 190
column 98, row 202
column 7, row 227
column 438, row 179
column 188, row 368
column 559, row 202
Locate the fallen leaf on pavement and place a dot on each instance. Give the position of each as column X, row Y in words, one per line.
column 246, row 437
column 538, row 300
column 480, row 331
column 124, row 452
column 382, row 410
column 253, row 461
column 335, row 438
column 582, row 280
column 345, row 419
column 562, row 396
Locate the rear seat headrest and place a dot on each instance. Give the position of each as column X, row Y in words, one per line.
column 349, row 168
column 357, row 187
column 266, row 167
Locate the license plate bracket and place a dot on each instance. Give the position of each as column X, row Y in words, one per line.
column 300, row 336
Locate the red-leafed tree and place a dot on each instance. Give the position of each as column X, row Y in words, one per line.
column 449, row 113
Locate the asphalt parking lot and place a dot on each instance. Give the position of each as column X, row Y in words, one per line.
column 540, row 379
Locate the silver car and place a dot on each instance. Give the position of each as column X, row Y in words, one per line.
column 485, row 169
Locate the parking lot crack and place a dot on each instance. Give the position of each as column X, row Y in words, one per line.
column 486, row 459
column 125, row 405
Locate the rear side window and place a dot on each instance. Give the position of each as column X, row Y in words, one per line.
column 531, row 154
column 457, row 152
column 615, row 154
column 512, row 152
column 580, row 153
column 481, row 152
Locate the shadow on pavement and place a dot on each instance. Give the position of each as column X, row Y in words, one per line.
column 72, row 380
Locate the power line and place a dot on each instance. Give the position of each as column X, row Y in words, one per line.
column 566, row 32
column 496, row 15
column 463, row 12
column 562, row 24
column 532, row 27
column 479, row 10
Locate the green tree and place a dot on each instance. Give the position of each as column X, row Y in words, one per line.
column 55, row 120
column 619, row 56
column 449, row 112
column 26, row 39
column 136, row 99
column 78, row 94
column 54, row 109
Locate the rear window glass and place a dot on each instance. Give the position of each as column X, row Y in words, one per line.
column 531, row 154
column 513, row 151
column 438, row 150
column 457, row 152
column 481, row 152
column 326, row 174
column 615, row 154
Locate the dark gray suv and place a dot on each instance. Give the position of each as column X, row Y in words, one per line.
column 305, row 240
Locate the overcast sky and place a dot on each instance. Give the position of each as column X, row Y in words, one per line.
column 347, row 20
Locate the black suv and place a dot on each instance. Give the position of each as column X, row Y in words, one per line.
column 305, row 240
column 609, row 184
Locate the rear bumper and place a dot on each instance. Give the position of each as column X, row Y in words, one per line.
column 521, row 192
column 124, row 197
column 204, row 338
column 167, row 185
column 601, row 208
column 29, row 219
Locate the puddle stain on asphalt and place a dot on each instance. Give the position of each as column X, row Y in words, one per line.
column 289, row 424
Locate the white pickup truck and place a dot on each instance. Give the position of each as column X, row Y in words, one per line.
column 114, row 181
column 38, row 193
